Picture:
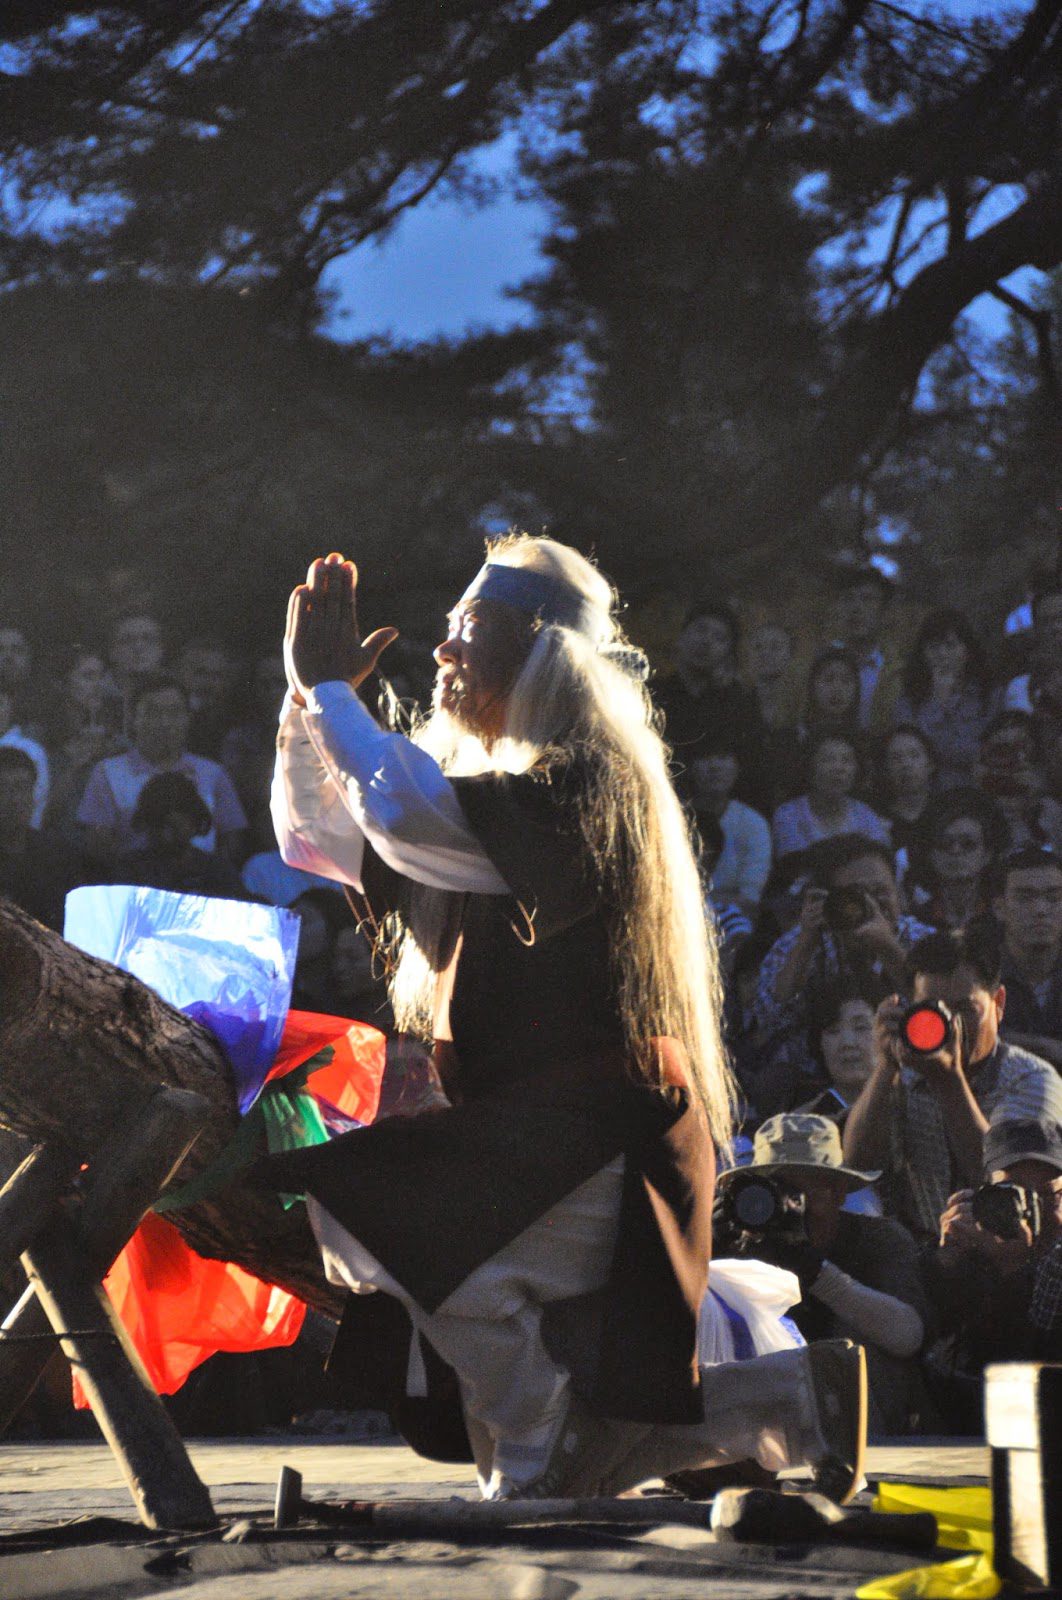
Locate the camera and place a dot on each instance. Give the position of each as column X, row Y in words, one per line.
column 927, row 1026
column 1002, row 1208
column 845, row 909
column 753, row 1207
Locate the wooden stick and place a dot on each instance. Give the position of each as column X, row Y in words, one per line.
column 123, row 1184
column 29, row 1197
column 164, row 1484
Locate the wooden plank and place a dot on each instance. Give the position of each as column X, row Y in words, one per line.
column 164, row 1484
column 29, row 1197
column 1023, row 1422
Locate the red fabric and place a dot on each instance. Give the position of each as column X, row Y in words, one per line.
column 179, row 1308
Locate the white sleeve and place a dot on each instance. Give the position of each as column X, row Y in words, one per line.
column 392, row 793
column 313, row 826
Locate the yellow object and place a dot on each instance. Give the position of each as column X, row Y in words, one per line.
column 964, row 1522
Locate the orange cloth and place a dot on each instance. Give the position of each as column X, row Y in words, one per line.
column 180, row 1308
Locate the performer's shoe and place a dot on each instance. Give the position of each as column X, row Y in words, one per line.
column 838, row 1371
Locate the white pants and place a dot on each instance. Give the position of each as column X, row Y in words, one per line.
column 515, row 1396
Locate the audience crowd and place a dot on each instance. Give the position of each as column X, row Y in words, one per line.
column 879, row 829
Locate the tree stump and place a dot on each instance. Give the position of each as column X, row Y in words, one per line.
column 83, row 1047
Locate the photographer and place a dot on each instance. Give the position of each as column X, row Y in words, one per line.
column 859, row 1275
column 850, row 925
column 924, row 1111
column 996, row 1278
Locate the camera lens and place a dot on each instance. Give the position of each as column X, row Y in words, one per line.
column 927, row 1028
column 754, row 1203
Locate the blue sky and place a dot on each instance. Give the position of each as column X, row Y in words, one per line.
column 446, row 266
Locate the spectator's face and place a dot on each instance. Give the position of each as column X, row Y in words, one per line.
column 270, row 686
column 136, row 645
column 946, row 655
column 713, row 777
column 1043, row 1180
column 859, row 613
column 824, row 1194
column 875, row 878
column 704, row 645
column 965, row 995
column 848, row 1048
column 176, row 831
column 770, row 652
column 834, row 689
column 959, row 852
column 1030, row 908
column 16, row 801
column 834, row 769
column 907, row 768
column 14, row 658
column 206, row 673
column 85, row 683
column 160, row 725
column 478, row 662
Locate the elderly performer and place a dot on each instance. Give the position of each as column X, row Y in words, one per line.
column 529, row 849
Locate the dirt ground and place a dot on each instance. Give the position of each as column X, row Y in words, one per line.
column 68, row 1529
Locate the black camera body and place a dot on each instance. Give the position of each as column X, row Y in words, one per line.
column 1002, row 1208
column 753, row 1208
column 846, row 908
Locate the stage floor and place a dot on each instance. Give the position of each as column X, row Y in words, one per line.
column 47, row 1487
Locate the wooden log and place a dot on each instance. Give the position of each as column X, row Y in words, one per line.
column 29, row 1197
column 123, row 1182
column 164, row 1484
column 84, row 1046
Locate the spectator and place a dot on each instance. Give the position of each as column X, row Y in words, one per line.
column 358, row 989
column 1029, row 911
column 37, row 870
column 732, row 925
column 12, row 737
column 827, row 809
column 135, row 650
column 321, row 913
column 998, row 1294
column 1009, row 771
column 829, row 943
column 745, row 861
column 82, row 728
column 205, row 670
column 1022, row 692
column 704, row 694
column 841, row 1035
column 859, row 1275
column 171, row 814
column 770, row 662
column 963, row 834
column 159, row 715
column 248, row 750
column 947, row 693
column 924, row 1117
column 266, row 875
column 16, row 677
column 831, row 704
column 907, row 772
column 863, row 601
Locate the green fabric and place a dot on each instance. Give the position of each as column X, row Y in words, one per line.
column 284, row 1117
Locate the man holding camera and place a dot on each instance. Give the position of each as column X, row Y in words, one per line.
column 942, row 1077
column 850, row 926
column 996, row 1278
column 859, row 1275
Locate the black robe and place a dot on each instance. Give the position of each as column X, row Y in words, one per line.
column 543, row 1099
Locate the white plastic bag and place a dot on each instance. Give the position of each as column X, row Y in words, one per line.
column 743, row 1314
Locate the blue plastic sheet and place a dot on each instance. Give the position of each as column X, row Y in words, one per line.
column 228, row 964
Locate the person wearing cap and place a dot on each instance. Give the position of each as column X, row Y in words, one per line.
column 553, row 943
column 999, row 1298
column 859, row 1274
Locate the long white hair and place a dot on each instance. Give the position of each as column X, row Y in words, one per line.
column 574, row 696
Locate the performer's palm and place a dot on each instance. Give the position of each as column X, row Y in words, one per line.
column 322, row 642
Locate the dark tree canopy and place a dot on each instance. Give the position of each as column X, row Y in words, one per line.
column 769, row 217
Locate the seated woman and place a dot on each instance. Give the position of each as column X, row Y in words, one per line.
column 963, row 834
column 827, row 808
column 907, row 773
column 947, row 692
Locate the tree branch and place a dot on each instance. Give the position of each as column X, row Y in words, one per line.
column 1042, row 321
